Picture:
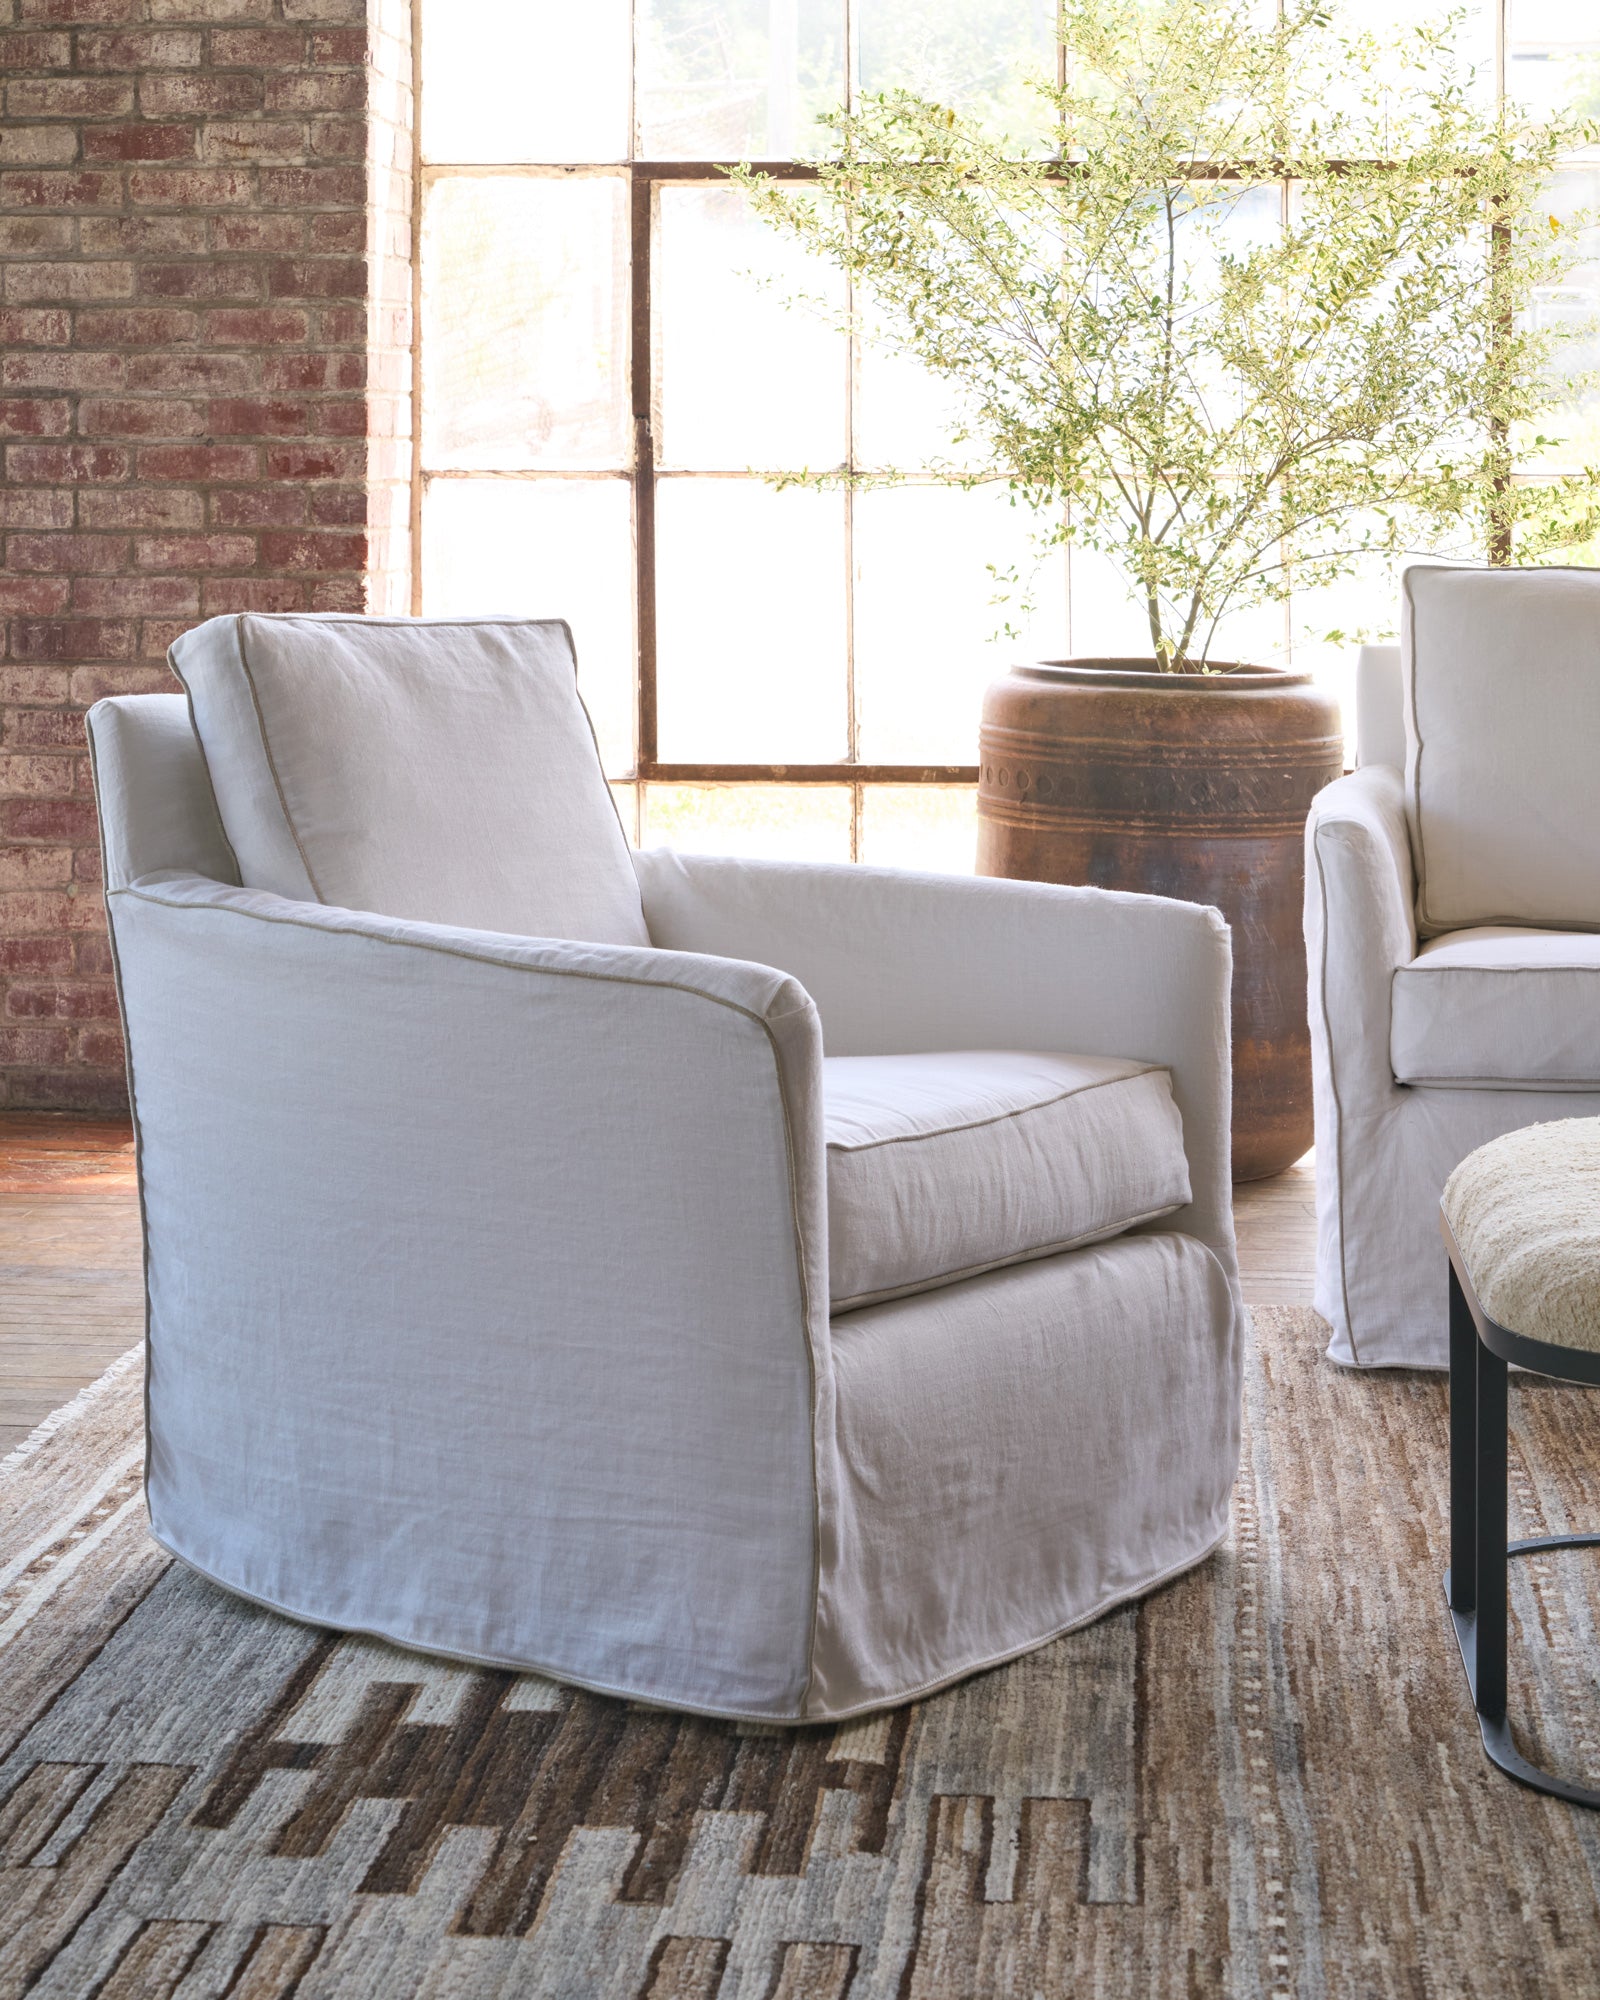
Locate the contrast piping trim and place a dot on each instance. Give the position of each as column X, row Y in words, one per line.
column 205, row 763
column 133, row 1109
column 1338, row 1107
column 799, row 1718
column 601, row 978
column 1553, row 1086
column 999, row 1117
column 1035, row 1255
column 272, row 763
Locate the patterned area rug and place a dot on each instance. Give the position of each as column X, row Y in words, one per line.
column 1263, row 1780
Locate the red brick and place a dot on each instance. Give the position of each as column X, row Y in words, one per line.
column 248, row 416
column 96, row 11
column 70, row 281
column 39, row 190
column 35, row 507
column 209, row 10
column 146, row 507
column 197, row 96
column 136, row 327
column 35, row 51
column 313, row 187
column 286, row 549
column 277, row 144
column 32, row 1045
column 216, row 278
column 62, row 554
column 339, row 45
column 33, row 775
column 86, row 866
column 61, row 818
column 314, row 371
column 271, row 326
column 260, row 507
column 35, row 326
column 92, row 684
column 338, row 139
column 35, row 867
column 315, row 461
column 332, row 90
column 343, row 326
column 42, row 685
column 44, row 729
column 337, row 229
column 157, row 635
column 191, row 552
column 340, row 416
column 74, row 462
column 94, row 958
column 77, row 371
column 141, row 49
column 98, row 1048
column 35, row 595
column 41, row 955
column 72, row 638
column 36, row 235
column 69, row 97
column 143, row 235
column 198, row 461
column 338, row 593
column 35, row 416
column 135, row 596
column 258, row 232
column 135, row 416
column 252, row 593
column 187, row 187
column 61, row 1000
column 138, row 142
column 197, row 372
column 258, row 48
column 338, row 506
column 37, row 145
column 317, row 278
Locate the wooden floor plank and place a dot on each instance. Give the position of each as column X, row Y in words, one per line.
column 72, row 1292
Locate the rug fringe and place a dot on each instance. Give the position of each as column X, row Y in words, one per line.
column 85, row 1400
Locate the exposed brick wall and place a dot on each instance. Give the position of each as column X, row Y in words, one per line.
column 204, row 406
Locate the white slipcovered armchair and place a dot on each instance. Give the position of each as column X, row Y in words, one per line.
column 559, row 1304
column 1452, row 912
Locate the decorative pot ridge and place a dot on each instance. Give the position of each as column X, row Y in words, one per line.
column 1115, row 774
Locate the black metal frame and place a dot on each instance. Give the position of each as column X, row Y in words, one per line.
column 1475, row 1583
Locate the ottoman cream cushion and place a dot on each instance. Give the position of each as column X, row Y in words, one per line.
column 1525, row 1213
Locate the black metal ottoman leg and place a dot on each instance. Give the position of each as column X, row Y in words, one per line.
column 1462, row 1579
column 1489, row 1535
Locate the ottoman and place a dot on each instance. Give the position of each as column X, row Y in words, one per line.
column 1521, row 1221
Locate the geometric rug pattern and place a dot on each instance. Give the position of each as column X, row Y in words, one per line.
column 1263, row 1780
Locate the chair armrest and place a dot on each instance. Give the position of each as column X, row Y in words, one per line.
column 901, row 963
column 552, row 1214
column 1360, row 925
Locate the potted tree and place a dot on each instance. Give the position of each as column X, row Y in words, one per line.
column 1249, row 309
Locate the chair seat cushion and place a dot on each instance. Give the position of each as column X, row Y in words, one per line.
column 942, row 1166
column 1500, row 1008
column 1525, row 1213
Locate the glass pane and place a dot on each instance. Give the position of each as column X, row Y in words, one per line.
column 525, row 82
column 1573, row 303
column 1553, row 56
column 750, row 623
column 1389, row 22
column 627, row 803
column 906, row 417
column 931, row 827
column 975, row 55
column 547, row 548
column 1109, row 621
column 737, row 79
column 929, row 634
column 773, row 822
column 524, row 322
column 747, row 379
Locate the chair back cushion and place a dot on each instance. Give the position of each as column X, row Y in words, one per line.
column 1502, row 686
column 439, row 769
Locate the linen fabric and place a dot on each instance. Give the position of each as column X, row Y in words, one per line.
column 439, row 769
column 947, row 1164
column 1525, row 1213
column 1502, row 683
column 1385, row 1148
column 1497, row 1008
column 488, row 1291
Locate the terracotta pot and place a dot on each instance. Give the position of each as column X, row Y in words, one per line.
column 1112, row 773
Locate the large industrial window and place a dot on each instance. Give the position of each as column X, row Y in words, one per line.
column 612, row 369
